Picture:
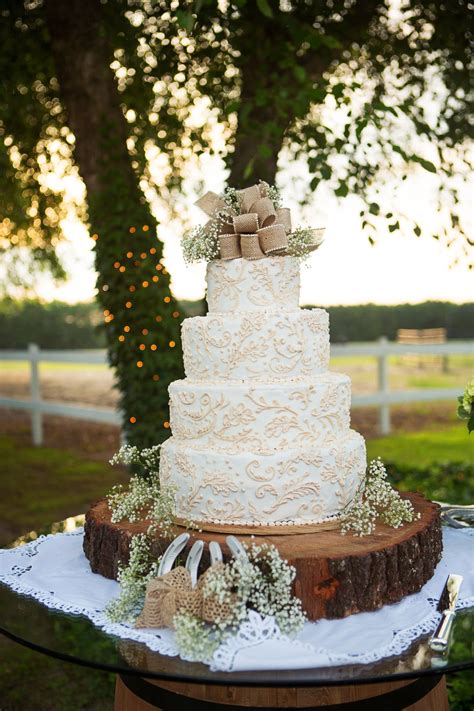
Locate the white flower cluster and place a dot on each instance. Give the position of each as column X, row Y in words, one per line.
column 377, row 500
column 299, row 242
column 144, row 498
column 261, row 583
column 196, row 640
column 133, row 579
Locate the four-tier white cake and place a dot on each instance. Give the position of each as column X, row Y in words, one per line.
column 261, row 428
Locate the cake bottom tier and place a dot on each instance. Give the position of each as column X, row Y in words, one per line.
column 297, row 486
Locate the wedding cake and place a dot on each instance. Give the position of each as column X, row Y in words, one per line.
column 260, row 427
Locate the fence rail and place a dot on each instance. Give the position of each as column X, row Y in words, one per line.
column 383, row 398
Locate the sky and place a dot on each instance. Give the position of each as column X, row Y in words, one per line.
column 399, row 268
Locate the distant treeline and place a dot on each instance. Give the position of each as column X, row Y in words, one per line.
column 60, row 325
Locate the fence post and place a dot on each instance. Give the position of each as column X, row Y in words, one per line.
column 384, row 412
column 36, row 415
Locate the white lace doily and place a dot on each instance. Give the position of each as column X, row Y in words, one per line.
column 54, row 570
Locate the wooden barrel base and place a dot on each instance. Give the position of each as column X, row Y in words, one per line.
column 422, row 694
column 336, row 575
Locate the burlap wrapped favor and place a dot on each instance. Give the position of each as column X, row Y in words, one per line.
column 259, row 230
column 173, row 593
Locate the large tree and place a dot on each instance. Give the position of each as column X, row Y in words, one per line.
column 363, row 90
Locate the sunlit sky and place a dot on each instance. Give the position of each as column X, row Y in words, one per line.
column 345, row 270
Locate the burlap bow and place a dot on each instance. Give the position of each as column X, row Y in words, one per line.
column 172, row 593
column 258, row 230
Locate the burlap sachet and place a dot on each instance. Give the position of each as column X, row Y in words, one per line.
column 173, row 593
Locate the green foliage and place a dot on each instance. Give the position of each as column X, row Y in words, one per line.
column 466, row 406
column 366, row 322
column 53, row 325
column 448, row 481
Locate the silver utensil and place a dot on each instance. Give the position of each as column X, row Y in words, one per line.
column 457, row 516
column 439, row 642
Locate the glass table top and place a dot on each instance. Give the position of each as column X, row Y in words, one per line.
column 74, row 638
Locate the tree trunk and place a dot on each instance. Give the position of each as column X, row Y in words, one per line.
column 141, row 316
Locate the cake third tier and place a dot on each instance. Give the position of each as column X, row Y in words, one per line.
column 260, row 417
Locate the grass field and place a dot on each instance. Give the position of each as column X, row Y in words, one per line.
column 421, row 449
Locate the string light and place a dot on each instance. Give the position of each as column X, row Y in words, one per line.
column 126, row 329
column 145, row 228
column 167, row 299
column 132, row 230
column 95, row 237
column 145, row 331
column 132, row 288
column 144, row 284
column 133, row 420
column 159, row 267
column 139, row 364
column 106, row 312
column 116, row 265
column 175, row 314
column 158, row 319
column 166, row 425
column 155, row 278
column 143, row 255
column 128, row 305
column 142, row 346
column 121, row 338
column 153, row 250
column 122, row 269
column 153, row 346
column 129, row 255
column 171, row 344
column 156, row 377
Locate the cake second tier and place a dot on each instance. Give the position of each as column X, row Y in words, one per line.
column 256, row 347
column 260, row 417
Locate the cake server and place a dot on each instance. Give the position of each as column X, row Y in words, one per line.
column 172, row 552
column 439, row 642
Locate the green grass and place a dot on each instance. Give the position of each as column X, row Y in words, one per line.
column 40, row 485
column 421, row 449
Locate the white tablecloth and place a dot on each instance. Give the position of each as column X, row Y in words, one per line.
column 54, row 570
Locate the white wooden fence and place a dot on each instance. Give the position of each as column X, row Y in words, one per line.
column 383, row 398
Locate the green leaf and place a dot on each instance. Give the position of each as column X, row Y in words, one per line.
column 265, row 8
column 394, row 226
column 470, row 424
column 374, row 208
column 300, row 73
column 264, row 150
column 249, row 168
column 342, row 190
column 314, row 183
column 427, row 165
column 185, row 20
column 417, row 230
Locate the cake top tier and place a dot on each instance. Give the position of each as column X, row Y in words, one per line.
column 271, row 284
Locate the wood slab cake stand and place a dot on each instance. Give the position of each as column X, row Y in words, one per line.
column 336, row 575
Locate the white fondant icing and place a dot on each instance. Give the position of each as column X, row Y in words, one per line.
column 260, row 418
column 256, row 347
column 295, row 486
column 270, row 284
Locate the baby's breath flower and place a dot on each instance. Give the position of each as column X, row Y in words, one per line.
column 133, row 578
column 145, row 498
column 196, row 641
column 377, row 499
column 299, row 242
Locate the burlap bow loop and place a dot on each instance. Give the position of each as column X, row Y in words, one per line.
column 172, row 593
column 257, row 231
